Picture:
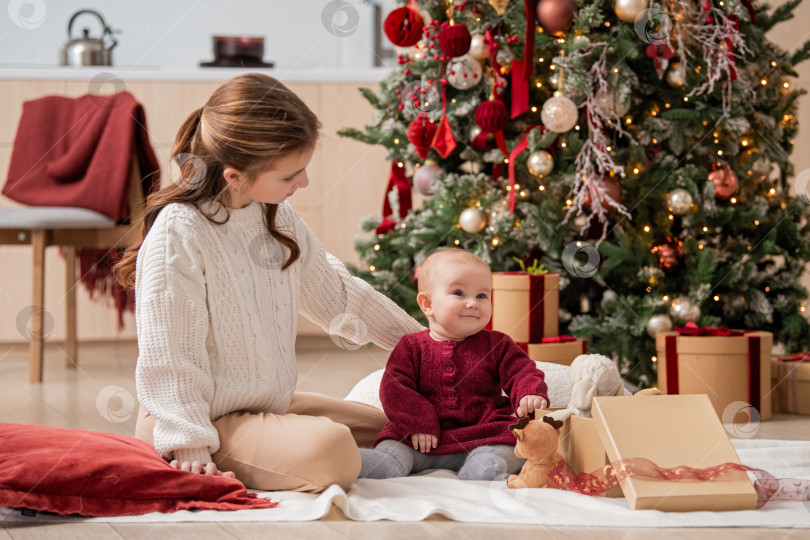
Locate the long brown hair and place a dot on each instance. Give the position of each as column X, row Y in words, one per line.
column 248, row 123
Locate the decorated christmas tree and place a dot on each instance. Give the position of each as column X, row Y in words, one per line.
column 640, row 149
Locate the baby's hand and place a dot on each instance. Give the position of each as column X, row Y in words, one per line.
column 530, row 404
column 423, row 442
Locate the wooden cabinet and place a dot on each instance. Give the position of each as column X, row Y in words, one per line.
column 347, row 182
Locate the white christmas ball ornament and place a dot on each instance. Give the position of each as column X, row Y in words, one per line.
column 478, row 49
column 424, row 175
column 473, row 220
column 464, row 72
column 628, row 10
column 679, row 201
column 684, row 310
column 559, row 114
column 658, row 323
column 611, row 101
column 540, row 163
column 676, row 75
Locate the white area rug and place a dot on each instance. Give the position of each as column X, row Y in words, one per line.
column 440, row 492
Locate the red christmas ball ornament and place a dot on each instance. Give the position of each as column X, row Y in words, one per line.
column 669, row 252
column 421, row 132
column 454, row 40
column 492, row 115
column 725, row 181
column 611, row 188
column 403, row 26
column 556, row 16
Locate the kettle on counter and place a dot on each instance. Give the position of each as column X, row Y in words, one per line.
column 87, row 51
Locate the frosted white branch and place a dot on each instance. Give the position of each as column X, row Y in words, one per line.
column 594, row 162
column 720, row 43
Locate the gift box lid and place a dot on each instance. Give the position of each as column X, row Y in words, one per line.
column 735, row 345
column 517, row 281
column 784, row 366
column 670, row 431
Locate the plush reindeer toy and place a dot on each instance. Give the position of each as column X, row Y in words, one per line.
column 537, row 443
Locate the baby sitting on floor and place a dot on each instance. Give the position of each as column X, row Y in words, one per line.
column 442, row 387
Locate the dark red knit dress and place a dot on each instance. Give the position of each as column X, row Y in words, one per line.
column 452, row 389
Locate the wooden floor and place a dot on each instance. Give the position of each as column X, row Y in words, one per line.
column 99, row 395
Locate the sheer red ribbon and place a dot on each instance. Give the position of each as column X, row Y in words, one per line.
column 597, row 483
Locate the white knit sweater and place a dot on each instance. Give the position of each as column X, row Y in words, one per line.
column 216, row 319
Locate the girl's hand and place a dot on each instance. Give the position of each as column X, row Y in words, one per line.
column 197, row 467
column 424, row 442
column 530, row 404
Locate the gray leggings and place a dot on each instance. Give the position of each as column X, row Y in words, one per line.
column 391, row 459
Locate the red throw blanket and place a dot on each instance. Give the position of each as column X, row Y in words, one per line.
column 77, row 152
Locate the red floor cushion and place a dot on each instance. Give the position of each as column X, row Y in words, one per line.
column 72, row 471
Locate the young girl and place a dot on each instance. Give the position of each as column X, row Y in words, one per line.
column 224, row 268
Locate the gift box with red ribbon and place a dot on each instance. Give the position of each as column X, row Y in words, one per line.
column 791, row 384
column 556, row 350
column 525, row 306
column 732, row 367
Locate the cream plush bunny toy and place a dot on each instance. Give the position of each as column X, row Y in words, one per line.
column 591, row 375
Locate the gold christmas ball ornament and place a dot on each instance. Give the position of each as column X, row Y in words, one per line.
column 478, row 49
column 676, row 75
column 679, row 201
column 559, row 114
column 473, row 220
column 628, row 10
column 683, row 310
column 658, row 323
column 540, row 163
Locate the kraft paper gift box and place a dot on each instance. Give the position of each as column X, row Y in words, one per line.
column 672, row 431
column 733, row 370
column 525, row 306
column 581, row 447
column 791, row 384
column 556, row 350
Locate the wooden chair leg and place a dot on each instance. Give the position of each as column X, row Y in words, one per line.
column 71, row 359
column 36, row 326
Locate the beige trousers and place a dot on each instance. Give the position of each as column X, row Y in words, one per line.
column 311, row 447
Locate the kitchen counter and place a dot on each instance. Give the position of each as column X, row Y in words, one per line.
column 153, row 73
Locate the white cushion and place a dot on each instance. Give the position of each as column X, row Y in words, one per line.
column 53, row 217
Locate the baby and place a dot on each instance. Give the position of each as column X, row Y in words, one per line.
column 442, row 387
